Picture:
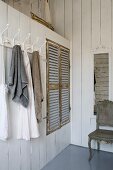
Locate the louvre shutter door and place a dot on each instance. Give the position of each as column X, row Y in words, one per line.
column 65, row 85
column 58, row 86
column 53, row 119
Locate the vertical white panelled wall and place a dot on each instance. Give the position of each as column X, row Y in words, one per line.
column 34, row 154
column 88, row 24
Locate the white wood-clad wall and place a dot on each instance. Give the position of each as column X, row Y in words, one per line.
column 34, row 154
column 91, row 31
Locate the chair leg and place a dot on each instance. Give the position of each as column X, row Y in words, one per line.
column 90, row 150
column 98, row 146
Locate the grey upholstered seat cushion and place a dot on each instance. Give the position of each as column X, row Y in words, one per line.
column 100, row 134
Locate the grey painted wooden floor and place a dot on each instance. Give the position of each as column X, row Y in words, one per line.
column 76, row 158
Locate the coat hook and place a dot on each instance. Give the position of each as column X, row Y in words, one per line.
column 27, row 38
column 35, row 42
column 15, row 36
column 3, row 31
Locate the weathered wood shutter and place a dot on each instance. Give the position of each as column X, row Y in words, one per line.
column 58, row 91
column 65, row 85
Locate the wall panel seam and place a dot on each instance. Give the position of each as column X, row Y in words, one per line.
column 111, row 24
column 100, row 24
column 91, row 25
column 81, row 71
column 64, row 17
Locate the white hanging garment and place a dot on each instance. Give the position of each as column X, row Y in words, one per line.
column 27, row 123
column 47, row 12
column 3, row 99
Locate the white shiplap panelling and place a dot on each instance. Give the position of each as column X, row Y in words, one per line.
column 14, row 154
column 106, row 23
column 92, row 33
column 86, row 69
column 13, row 21
column 25, row 155
column 95, row 23
column 58, row 16
column 24, row 25
column 68, row 20
column 76, row 98
column 50, row 147
column 34, row 154
column 3, row 12
column 4, row 156
column 35, row 163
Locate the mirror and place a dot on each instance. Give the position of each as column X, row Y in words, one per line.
column 101, row 78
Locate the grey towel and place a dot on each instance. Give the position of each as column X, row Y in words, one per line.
column 18, row 82
column 37, row 85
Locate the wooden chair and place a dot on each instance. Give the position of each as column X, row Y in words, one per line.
column 104, row 118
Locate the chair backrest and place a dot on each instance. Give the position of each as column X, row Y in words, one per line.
column 105, row 113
